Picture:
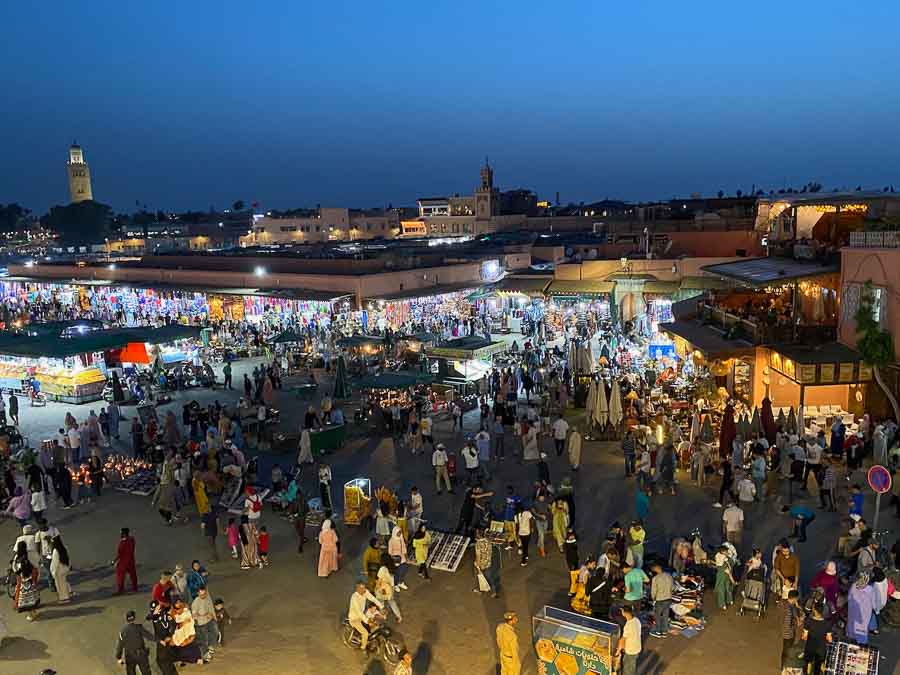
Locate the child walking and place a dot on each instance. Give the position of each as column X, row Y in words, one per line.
column 233, row 537
column 263, row 546
column 222, row 618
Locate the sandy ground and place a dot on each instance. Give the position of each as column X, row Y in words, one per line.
column 286, row 618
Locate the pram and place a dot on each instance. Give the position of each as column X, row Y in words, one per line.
column 754, row 596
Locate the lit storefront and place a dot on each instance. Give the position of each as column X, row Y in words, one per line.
column 417, row 307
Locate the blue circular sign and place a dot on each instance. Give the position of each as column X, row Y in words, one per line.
column 879, row 479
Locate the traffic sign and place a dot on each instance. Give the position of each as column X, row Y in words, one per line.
column 879, row 479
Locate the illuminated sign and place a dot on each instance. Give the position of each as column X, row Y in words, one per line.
column 413, row 228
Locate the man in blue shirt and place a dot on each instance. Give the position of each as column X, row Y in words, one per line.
column 802, row 516
column 509, row 514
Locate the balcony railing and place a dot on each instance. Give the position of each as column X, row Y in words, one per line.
column 759, row 332
column 875, row 239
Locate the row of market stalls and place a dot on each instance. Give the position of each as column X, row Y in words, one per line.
column 567, row 303
column 71, row 361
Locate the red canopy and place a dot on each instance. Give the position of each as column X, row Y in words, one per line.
column 727, row 431
column 134, row 352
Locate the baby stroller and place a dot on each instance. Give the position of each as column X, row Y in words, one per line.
column 753, row 594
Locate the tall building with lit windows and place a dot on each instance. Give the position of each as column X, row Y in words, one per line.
column 79, row 175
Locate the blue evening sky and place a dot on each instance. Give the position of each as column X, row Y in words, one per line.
column 197, row 103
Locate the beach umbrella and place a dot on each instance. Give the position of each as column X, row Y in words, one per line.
column 695, row 427
column 727, row 431
column 755, row 424
column 706, row 432
column 615, row 405
column 601, row 413
column 781, row 421
column 768, row 420
column 585, row 360
column 572, row 358
column 341, row 388
column 792, row 422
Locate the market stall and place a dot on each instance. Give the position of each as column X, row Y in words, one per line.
column 357, row 501
column 463, row 362
column 417, row 306
column 70, row 361
column 567, row 643
column 578, row 306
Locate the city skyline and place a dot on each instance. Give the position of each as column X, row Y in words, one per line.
column 363, row 106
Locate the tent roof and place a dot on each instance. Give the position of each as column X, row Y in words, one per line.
column 392, row 380
column 360, row 340
column 587, row 287
column 53, row 346
column 764, row 271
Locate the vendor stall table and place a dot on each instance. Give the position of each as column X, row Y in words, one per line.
column 328, row 438
column 845, row 658
column 567, row 643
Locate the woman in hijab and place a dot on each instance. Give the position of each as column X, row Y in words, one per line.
column 328, row 551
column 838, row 431
column 60, row 564
column 827, row 580
column 27, row 597
column 397, row 550
column 305, row 455
column 249, row 544
column 860, row 608
column 421, row 544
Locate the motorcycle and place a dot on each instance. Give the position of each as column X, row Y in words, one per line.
column 380, row 641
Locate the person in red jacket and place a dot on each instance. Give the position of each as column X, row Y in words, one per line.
column 125, row 563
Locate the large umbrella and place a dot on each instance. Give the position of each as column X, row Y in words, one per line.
column 601, row 413
column 744, row 426
column 768, row 420
column 755, row 424
column 572, row 359
column 695, row 428
column 706, row 432
column 792, row 422
column 615, row 405
column 781, row 420
column 341, row 388
column 585, row 358
column 591, row 402
column 727, row 431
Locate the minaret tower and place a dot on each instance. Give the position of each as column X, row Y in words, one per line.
column 79, row 175
column 485, row 195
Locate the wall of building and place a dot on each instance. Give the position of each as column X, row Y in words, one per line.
column 659, row 268
column 881, row 267
column 330, row 224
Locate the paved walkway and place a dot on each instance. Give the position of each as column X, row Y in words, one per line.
column 286, row 618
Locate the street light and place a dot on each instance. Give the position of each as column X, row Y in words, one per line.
column 260, row 271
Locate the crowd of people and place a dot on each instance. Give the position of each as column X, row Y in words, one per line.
column 523, row 417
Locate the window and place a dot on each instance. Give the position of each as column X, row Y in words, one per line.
column 318, row 228
column 878, row 305
column 455, row 228
column 288, row 228
column 368, row 226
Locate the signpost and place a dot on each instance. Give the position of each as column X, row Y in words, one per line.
column 880, row 481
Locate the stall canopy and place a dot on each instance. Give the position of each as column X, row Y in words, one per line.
column 393, row 380
column 360, row 341
column 424, row 338
column 693, row 283
column 757, row 272
column 55, row 346
column 587, row 288
column 530, row 286
column 708, row 340
column 289, row 336
column 465, row 349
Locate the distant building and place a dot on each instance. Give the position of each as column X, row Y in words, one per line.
column 323, row 225
column 79, row 175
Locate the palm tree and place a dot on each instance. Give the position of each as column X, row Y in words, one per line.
column 874, row 343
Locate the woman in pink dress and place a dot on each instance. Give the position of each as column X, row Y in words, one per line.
column 328, row 551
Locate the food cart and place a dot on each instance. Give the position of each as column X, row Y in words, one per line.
column 567, row 643
column 357, row 501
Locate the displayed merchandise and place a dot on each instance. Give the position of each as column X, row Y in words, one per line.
column 845, row 658
column 447, row 550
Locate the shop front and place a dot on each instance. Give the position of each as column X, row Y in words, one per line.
column 579, row 305
column 824, row 382
column 418, row 308
column 514, row 304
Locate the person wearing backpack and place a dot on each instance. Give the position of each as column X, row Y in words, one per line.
column 253, row 506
